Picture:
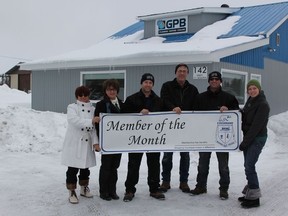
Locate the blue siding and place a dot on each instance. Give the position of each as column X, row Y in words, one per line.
column 252, row 58
column 255, row 57
column 280, row 53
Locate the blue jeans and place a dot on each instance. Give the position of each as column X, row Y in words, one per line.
column 251, row 155
column 167, row 165
column 203, row 169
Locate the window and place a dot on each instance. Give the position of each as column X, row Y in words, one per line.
column 256, row 77
column 94, row 81
column 234, row 82
column 278, row 39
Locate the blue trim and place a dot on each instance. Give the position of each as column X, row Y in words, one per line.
column 177, row 38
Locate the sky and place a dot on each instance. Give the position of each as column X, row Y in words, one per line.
column 34, row 29
column 33, row 180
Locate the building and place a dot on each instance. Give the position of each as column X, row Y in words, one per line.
column 242, row 43
column 19, row 79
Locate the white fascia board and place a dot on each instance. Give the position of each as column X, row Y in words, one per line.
column 148, row 58
column 277, row 26
column 218, row 54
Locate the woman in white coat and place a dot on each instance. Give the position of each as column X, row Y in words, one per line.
column 80, row 144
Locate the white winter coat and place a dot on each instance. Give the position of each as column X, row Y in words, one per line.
column 78, row 149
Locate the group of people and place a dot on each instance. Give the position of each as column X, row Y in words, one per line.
column 81, row 140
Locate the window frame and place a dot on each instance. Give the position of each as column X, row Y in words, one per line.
column 256, row 77
column 244, row 76
column 109, row 76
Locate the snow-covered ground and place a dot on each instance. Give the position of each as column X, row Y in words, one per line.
column 33, row 180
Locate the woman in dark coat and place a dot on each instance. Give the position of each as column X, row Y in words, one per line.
column 254, row 126
column 108, row 174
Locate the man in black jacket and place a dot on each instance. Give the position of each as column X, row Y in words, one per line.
column 177, row 95
column 144, row 101
column 214, row 99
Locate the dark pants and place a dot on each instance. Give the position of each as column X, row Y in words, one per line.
column 203, row 169
column 251, row 156
column 108, row 174
column 134, row 163
column 167, row 164
column 71, row 175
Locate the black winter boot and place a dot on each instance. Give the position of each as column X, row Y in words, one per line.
column 241, row 199
column 250, row 203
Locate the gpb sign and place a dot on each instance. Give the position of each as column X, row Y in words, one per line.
column 174, row 25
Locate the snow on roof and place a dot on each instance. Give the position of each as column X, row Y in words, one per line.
column 211, row 43
column 7, row 63
column 134, row 47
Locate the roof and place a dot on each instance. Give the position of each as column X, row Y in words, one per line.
column 222, row 10
column 259, row 20
column 139, row 26
column 243, row 29
column 7, row 63
column 132, row 29
column 16, row 70
column 13, row 70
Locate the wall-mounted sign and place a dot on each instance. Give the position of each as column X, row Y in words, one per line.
column 200, row 72
column 173, row 25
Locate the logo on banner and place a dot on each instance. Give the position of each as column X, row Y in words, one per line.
column 225, row 135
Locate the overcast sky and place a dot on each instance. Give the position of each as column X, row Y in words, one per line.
column 32, row 29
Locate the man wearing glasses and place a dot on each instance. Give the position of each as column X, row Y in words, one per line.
column 214, row 99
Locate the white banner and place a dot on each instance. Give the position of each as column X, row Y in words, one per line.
column 167, row 132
